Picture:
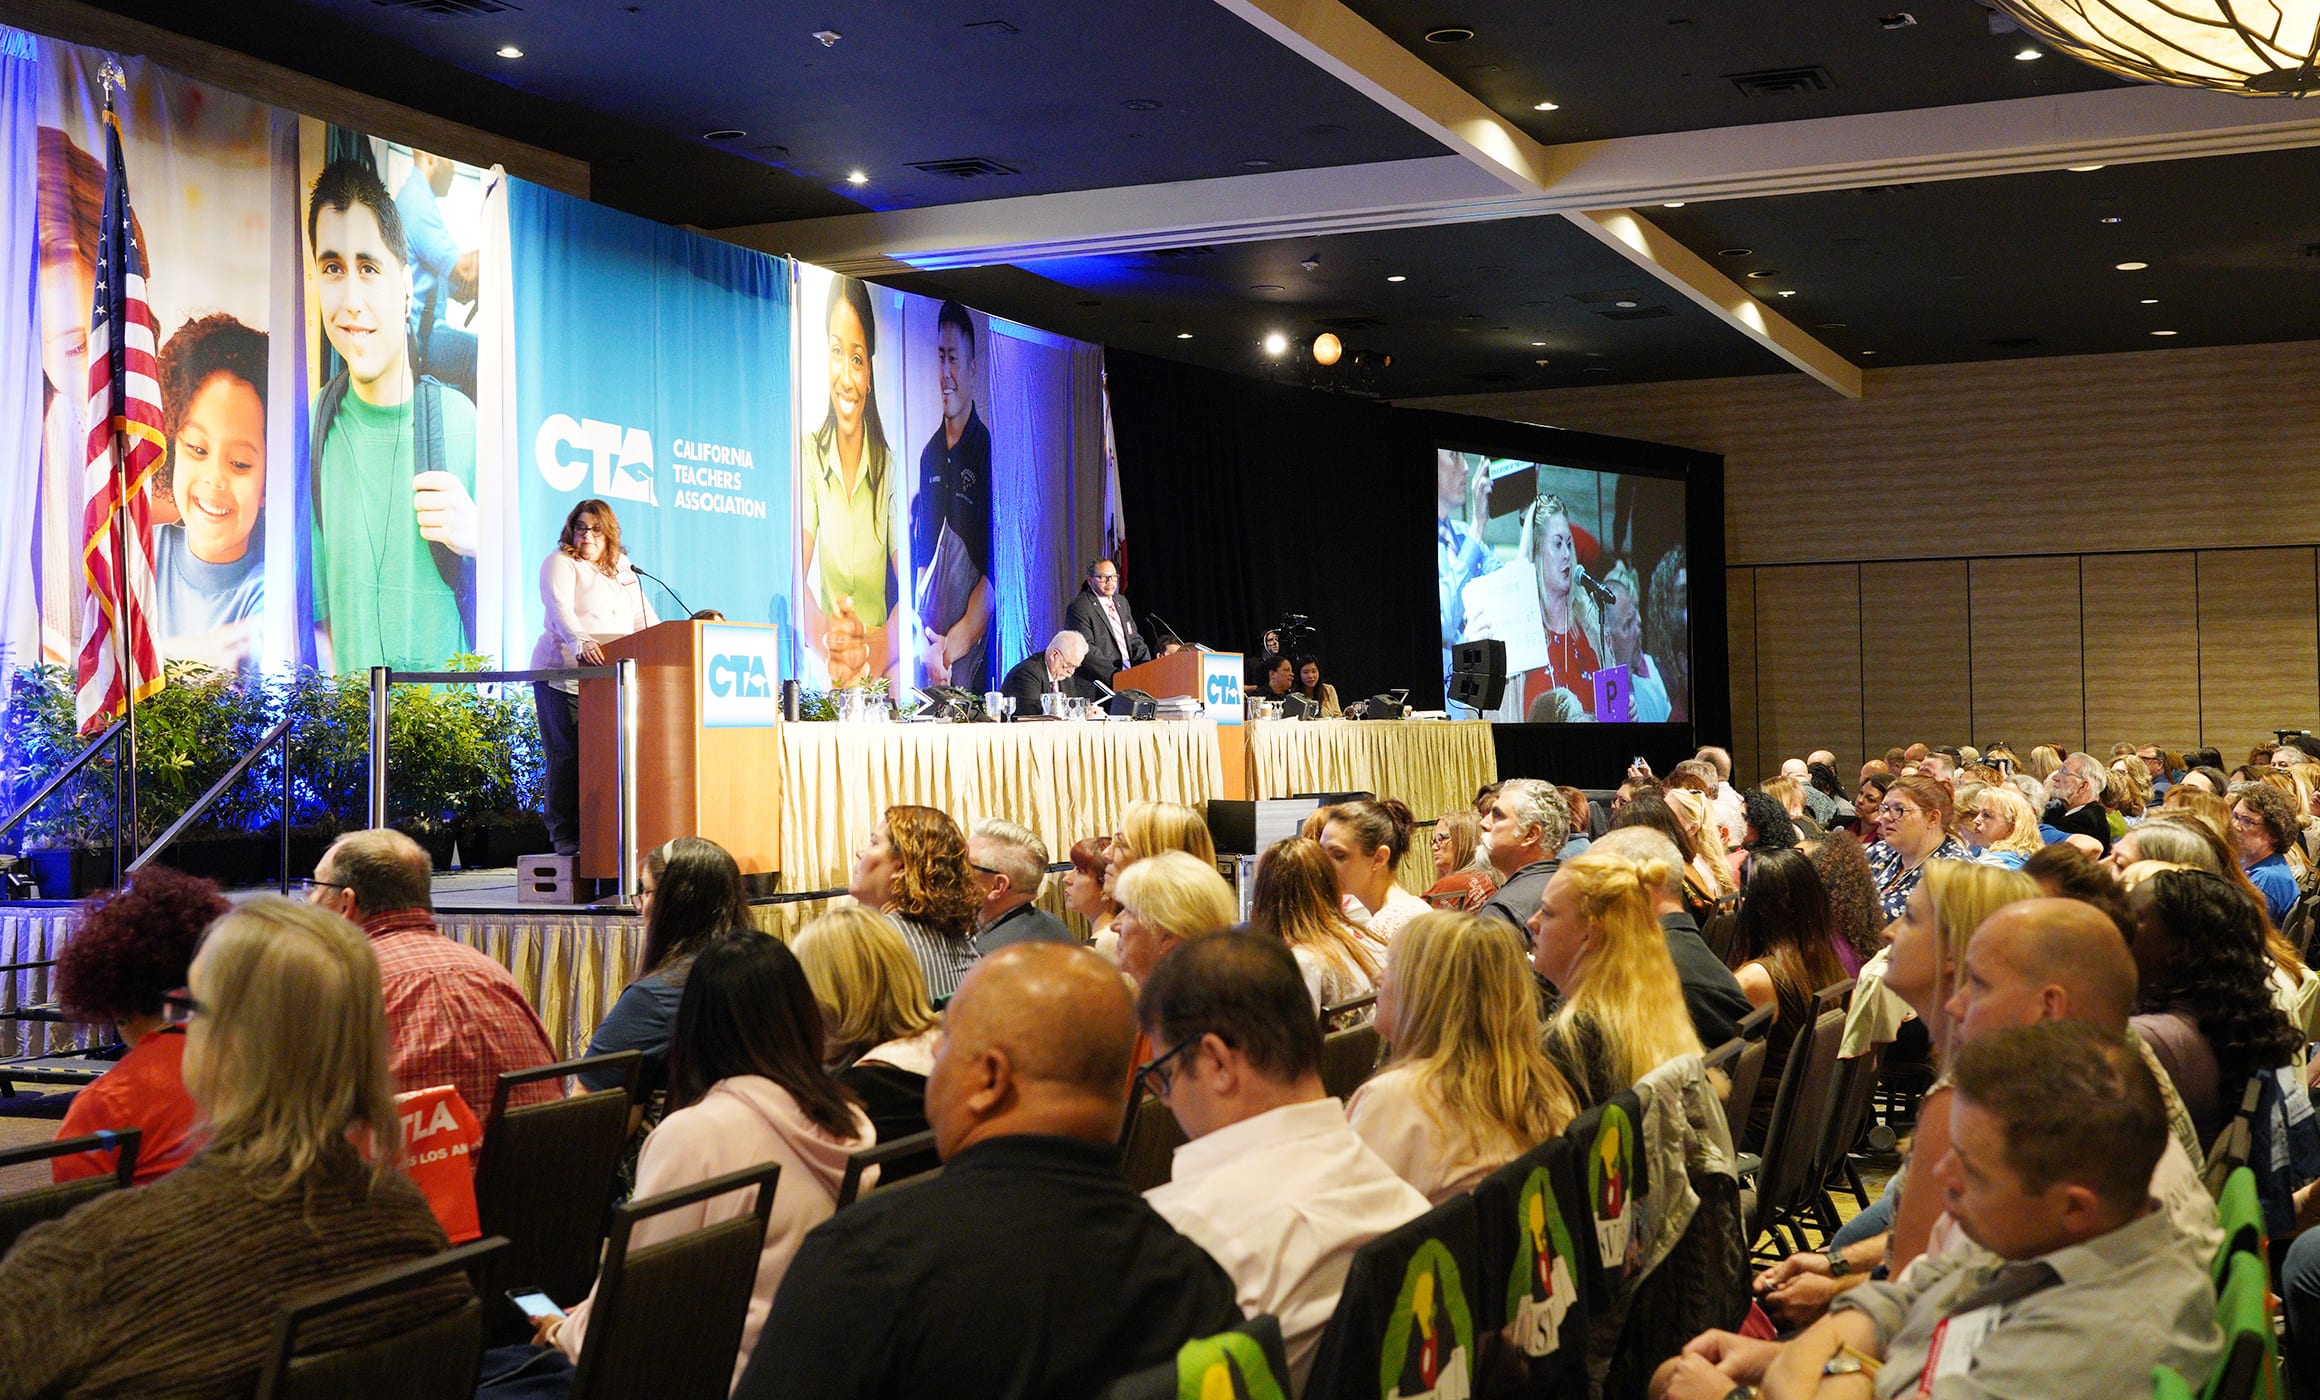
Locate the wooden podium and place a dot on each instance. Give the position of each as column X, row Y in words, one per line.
column 708, row 745
column 1184, row 673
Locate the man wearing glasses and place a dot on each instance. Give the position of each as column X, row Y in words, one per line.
column 1274, row 1184
column 2263, row 827
column 1102, row 616
column 2075, row 808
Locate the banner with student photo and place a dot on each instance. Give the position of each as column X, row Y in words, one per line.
column 651, row 373
column 392, row 467
column 199, row 167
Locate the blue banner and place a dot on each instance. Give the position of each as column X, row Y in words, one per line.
column 652, row 372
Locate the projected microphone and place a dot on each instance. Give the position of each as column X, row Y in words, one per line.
column 1588, row 581
column 639, row 571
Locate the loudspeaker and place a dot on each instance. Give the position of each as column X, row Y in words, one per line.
column 1393, row 704
column 1135, row 704
column 1478, row 673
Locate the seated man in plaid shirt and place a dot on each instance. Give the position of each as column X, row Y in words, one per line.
column 453, row 1015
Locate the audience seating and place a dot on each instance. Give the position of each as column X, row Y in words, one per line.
column 1850, row 1108
column 546, row 1175
column 2251, row 1354
column 436, row 1360
column 1253, row 1359
column 1345, row 1013
column 1148, row 1142
column 25, row 1209
column 905, row 1152
column 1747, row 1076
column 2166, row 1385
column 1348, row 1057
column 667, row 1317
column 1792, row 1142
column 2241, row 1215
column 1367, row 1340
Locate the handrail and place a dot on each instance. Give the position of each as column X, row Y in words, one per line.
column 111, row 738
column 622, row 674
column 279, row 734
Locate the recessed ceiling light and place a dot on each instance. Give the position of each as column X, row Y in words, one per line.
column 857, row 177
column 2150, row 301
column 1868, row 352
column 724, row 133
column 1673, row 204
column 1184, row 335
column 2162, row 332
column 1540, row 344
column 1761, row 273
column 1255, row 163
column 1538, row 362
column 2132, row 266
column 1276, row 344
column 2112, row 219
column 1784, row 294
column 1264, row 286
column 1546, row 106
column 1624, row 305
column 2028, row 55
column 1735, row 252
column 1397, row 277
column 1141, row 104
column 2082, row 169
column 1449, row 34
column 510, row 51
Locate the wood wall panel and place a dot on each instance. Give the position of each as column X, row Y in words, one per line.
column 2140, row 618
column 2027, row 685
column 2257, row 664
column 1740, row 630
column 1914, row 654
column 1808, row 664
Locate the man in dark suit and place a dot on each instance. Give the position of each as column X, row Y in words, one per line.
column 1102, row 616
column 1010, row 864
column 1050, row 672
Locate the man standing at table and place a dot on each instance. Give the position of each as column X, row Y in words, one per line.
column 1102, row 616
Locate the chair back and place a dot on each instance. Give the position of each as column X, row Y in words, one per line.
column 1740, row 1096
column 898, row 1160
column 2167, row 1385
column 1346, row 1012
column 1800, row 1114
column 1407, row 1313
column 1757, row 1024
column 1248, row 1360
column 435, row 1360
column 1849, row 1104
column 1148, row 1143
column 22, row 1210
column 1347, row 1059
column 2241, row 1214
column 1836, row 994
column 668, row 1316
column 2251, row 1356
column 547, row 1172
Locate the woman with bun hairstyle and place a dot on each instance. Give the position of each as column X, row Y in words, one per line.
column 1365, row 841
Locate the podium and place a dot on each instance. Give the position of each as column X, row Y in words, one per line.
column 708, row 745
column 1202, row 675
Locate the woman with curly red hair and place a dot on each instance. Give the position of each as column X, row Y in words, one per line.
column 130, row 949
column 914, row 871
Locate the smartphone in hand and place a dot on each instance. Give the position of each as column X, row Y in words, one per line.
column 534, row 1304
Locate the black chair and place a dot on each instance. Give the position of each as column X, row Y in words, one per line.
column 1747, row 1075
column 1757, row 1024
column 1247, row 1352
column 24, row 1209
column 547, row 1174
column 667, row 1317
column 1348, row 1057
column 899, row 1160
column 1792, row 1144
column 1148, row 1142
column 1724, row 1059
column 434, row 1360
column 1837, row 994
column 1365, row 1339
column 1343, row 1014
column 1853, row 1105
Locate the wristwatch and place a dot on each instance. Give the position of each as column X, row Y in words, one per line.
column 1839, row 1265
column 1842, row 1365
column 1741, row 1392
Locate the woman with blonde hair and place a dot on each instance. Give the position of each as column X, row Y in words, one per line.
column 1704, row 839
column 1164, row 900
column 2211, row 810
column 1597, row 940
column 1295, row 900
column 879, row 1030
column 2002, row 825
column 1468, row 1088
column 1147, row 829
column 2044, row 760
column 175, row 1287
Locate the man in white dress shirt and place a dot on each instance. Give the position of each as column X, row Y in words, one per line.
column 1274, row 1184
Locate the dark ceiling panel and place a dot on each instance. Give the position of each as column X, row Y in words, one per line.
column 1630, row 69
column 1475, row 300
column 1059, row 94
column 2027, row 264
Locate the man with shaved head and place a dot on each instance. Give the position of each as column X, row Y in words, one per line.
column 1028, row 1268
column 453, row 1015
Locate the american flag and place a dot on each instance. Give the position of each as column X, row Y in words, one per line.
column 125, row 450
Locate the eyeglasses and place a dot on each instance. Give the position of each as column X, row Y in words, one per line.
column 2246, row 821
column 1896, row 810
column 584, row 531
column 1155, row 1074
column 984, row 869
column 309, row 885
column 179, row 1008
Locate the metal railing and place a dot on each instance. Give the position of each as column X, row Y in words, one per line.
column 622, row 674
column 279, row 734
column 115, row 735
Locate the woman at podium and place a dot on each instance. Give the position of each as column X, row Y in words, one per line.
column 590, row 596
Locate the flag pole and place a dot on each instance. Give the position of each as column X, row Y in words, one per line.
column 125, row 635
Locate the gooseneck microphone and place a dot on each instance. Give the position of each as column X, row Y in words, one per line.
column 1588, row 581
column 639, row 571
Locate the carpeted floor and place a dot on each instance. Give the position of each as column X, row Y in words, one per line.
column 26, row 1119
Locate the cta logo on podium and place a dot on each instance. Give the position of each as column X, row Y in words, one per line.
column 1220, row 686
column 740, row 670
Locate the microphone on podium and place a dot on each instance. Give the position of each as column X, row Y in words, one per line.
column 639, row 571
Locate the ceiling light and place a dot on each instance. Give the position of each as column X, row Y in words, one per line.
column 1326, row 348
column 857, row 177
column 1184, row 335
column 2132, row 266
column 2162, row 332
column 1761, row 273
column 1546, row 106
column 828, row 38
column 510, row 51
column 1255, row 163
column 1449, row 34
column 1538, row 362
column 1784, row 294
column 2150, row 301
column 1397, row 277
column 2235, row 46
column 1624, row 305
column 2082, row 169
column 724, row 133
column 1673, row 204
column 1276, row 344
column 1735, row 252
column 1868, row 352
column 1540, row 344
column 1264, row 286
column 1142, row 104
column 2112, row 219
column 2027, row 55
